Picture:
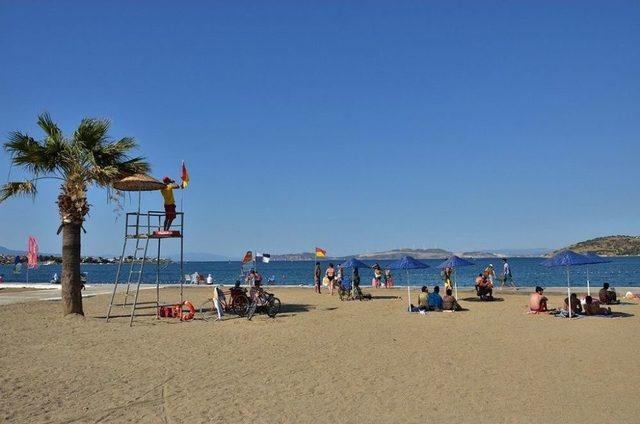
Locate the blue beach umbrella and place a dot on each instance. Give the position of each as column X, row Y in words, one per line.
column 568, row 258
column 454, row 262
column 598, row 260
column 354, row 263
column 407, row 263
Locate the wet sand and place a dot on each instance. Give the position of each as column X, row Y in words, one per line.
column 320, row 360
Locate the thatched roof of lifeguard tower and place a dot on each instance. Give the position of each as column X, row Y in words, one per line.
column 138, row 182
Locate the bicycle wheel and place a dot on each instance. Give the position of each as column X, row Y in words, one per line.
column 206, row 311
column 251, row 310
column 273, row 307
column 240, row 305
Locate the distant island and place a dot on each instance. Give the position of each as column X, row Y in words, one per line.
column 385, row 255
column 608, row 246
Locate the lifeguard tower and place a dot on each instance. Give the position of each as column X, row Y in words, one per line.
column 141, row 230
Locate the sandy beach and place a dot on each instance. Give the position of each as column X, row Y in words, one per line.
column 320, row 360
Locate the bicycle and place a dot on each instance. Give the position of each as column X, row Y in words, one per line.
column 268, row 302
column 239, row 304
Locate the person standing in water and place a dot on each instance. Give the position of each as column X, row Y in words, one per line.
column 317, row 273
column 507, row 277
column 169, row 201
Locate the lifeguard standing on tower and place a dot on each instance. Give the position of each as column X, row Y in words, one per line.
column 167, row 194
column 169, row 201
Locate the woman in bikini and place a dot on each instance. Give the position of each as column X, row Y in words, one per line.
column 331, row 274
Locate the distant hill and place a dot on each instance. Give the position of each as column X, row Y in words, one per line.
column 7, row 251
column 479, row 255
column 416, row 253
column 609, row 246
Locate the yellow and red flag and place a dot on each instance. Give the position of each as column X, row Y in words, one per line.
column 184, row 176
column 248, row 257
column 320, row 252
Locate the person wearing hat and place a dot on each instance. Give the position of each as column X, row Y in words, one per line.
column 169, row 201
column 490, row 274
column 537, row 302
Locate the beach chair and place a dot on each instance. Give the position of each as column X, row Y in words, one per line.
column 187, row 279
column 344, row 291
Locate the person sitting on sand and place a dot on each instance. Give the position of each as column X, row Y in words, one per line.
column 484, row 288
column 576, row 305
column 423, row 299
column 593, row 308
column 449, row 303
column 608, row 296
column 537, row 302
column 435, row 300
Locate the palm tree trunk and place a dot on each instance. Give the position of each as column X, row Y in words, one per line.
column 71, row 284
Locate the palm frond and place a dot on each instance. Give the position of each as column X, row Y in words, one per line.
column 92, row 133
column 27, row 152
column 14, row 189
column 136, row 165
column 50, row 128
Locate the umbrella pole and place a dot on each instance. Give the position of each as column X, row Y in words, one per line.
column 408, row 289
column 588, row 283
column 568, row 293
column 455, row 282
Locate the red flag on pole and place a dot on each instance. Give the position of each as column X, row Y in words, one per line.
column 248, row 257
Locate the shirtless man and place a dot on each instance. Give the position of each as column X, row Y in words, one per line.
column 576, row 306
column 537, row 302
column 592, row 308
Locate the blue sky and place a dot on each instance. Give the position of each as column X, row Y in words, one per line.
column 355, row 126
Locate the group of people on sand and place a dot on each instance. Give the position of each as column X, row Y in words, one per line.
column 434, row 302
column 538, row 303
column 333, row 278
column 485, row 281
column 381, row 278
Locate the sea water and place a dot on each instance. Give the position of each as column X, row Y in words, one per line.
column 620, row 272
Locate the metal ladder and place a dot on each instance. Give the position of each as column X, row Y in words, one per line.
column 136, row 269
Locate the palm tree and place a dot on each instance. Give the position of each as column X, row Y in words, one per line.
column 88, row 158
